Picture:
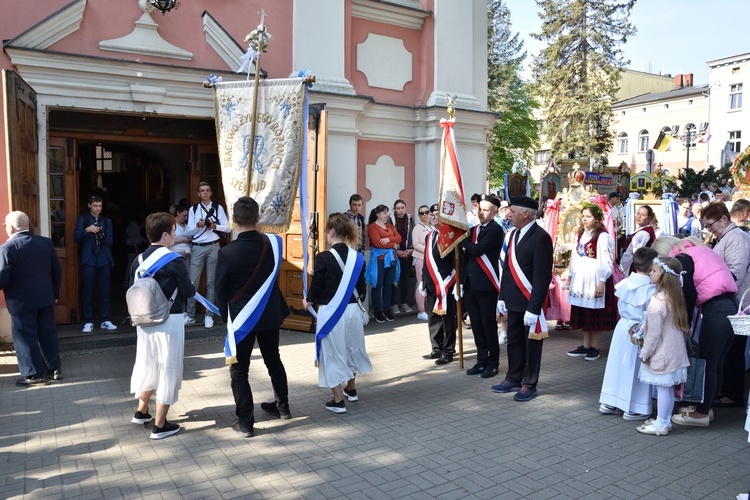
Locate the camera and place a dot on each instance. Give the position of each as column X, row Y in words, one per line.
column 211, row 220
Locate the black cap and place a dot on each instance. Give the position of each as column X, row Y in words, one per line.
column 491, row 198
column 524, row 201
column 434, row 207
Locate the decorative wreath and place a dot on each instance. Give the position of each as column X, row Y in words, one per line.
column 253, row 39
column 740, row 169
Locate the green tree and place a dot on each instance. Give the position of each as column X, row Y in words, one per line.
column 690, row 180
column 577, row 74
column 515, row 136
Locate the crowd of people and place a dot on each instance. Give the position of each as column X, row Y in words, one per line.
column 661, row 290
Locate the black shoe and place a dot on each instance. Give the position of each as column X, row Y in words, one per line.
column 141, row 418
column 592, row 355
column 475, row 370
column 351, row 395
column 388, row 315
column 578, row 352
column 489, row 372
column 432, row 355
column 335, row 407
column 379, row 317
column 444, row 359
column 246, row 431
column 164, row 431
column 29, row 381
column 272, row 409
column 55, row 374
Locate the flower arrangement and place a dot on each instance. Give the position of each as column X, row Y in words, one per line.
column 740, row 168
column 254, row 39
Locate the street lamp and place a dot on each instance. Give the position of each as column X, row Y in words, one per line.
column 687, row 140
column 164, row 6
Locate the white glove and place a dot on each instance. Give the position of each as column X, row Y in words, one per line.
column 458, row 292
column 421, row 290
column 530, row 319
column 501, row 309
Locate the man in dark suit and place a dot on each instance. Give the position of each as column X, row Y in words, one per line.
column 481, row 285
column 442, row 327
column 30, row 277
column 527, row 273
column 236, row 283
column 94, row 234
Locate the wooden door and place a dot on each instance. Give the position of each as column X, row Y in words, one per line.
column 62, row 174
column 21, row 130
column 290, row 274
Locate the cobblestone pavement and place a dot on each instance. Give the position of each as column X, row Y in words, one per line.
column 418, row 431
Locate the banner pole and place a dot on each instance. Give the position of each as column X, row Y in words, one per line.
column 251, row 149
column 459, row 313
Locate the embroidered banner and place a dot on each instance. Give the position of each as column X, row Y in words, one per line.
column 277, row 147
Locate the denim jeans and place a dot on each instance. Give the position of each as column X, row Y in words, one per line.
column 384, row 287
column 90, row 275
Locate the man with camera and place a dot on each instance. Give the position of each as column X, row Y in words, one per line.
column 208, row 222
column 94, row 234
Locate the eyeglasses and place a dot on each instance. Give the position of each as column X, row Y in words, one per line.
column 424, row 213
column 709, row 224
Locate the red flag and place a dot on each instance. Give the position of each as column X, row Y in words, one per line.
column 453, row 223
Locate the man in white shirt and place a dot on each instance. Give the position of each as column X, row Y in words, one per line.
column 206, row 220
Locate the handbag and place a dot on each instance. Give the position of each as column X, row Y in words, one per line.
column 363, row 312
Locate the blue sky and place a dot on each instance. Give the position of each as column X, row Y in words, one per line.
column 676, row 35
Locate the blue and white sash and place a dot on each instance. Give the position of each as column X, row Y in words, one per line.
column 161, row 257
column 239, row 327
column 330, row 315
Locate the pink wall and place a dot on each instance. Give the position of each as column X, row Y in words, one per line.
column 403, row 155
column 418, row 43
column 106, row 19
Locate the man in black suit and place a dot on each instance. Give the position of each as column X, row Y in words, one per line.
column 30, row 276
column 481, row 285
column 527, row 273
column 442, row 326
column 237, row 281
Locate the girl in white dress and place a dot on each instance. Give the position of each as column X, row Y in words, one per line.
column 593, row 307
column 622, row 391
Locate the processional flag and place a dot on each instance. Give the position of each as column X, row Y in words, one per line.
column 453, row 225
column 662, row 142
column 277, row 148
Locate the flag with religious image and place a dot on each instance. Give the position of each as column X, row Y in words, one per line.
column 267, row 166
column 453, row 225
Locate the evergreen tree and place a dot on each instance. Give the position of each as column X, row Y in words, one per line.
column 514, row 137
column 577, row 74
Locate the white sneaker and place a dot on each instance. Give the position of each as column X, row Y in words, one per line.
column 208, row 322
column 422, row 316
column 107, row 325
column 189, row 321
column 502, row 338
column 405, row 308
column 88, row 328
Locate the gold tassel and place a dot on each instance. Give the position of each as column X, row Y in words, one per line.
column 231, row 360
column 538, row 336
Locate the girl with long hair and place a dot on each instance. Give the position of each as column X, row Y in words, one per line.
column 593, row 307
column 663, row 355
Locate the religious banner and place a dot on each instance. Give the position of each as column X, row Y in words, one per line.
column 267, row 166
column 452, row 210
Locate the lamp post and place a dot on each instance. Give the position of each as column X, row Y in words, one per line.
column 164, row 6
column 687, row 140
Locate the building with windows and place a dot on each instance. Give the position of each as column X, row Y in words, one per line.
column 728, row 119
column 106, row 96
column 680, row 113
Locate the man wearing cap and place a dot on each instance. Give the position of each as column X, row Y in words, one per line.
column 438, row 280
column 482, row 285
column 527, row 273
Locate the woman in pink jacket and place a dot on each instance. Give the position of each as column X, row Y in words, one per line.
column 714, row 290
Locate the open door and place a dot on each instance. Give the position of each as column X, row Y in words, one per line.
column 290, row 274
column 62, row 174
column 21, row 130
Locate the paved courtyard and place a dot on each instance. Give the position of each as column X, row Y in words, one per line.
column 418, row 431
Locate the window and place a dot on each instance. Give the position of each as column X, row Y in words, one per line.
column 734, row 140
column 540, row 157
column 103, row 160
column 666, row 106
column 735, row 96
column 735, row 70
column 643, row 141
column 622, row 143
